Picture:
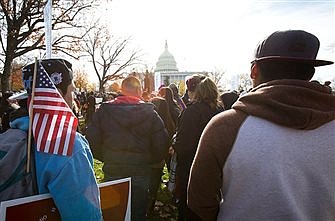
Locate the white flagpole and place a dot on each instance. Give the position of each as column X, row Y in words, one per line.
column 48, row 27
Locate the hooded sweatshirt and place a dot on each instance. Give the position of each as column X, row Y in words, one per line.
column 69, row 179
column 271, row 157
column 128, row 136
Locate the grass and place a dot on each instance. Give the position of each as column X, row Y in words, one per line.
column 99, row 174
column 164, row 208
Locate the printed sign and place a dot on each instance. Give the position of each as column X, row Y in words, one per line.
column 115, row 204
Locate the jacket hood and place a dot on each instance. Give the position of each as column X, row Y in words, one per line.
column 291, row 103
column 128, row 111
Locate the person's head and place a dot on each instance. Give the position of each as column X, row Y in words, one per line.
column 287, row 54
column 20, row 98
column 131, row 86
column 145, row 96
column 207, row 91
column 174, row 89
column 192, row 84
column 166, row 92
column 61, row 74
column 228, row 99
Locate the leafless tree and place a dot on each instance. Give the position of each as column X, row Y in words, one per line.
column 244, row 83
column 22, row 28
column 109, row 56
column 216, row 75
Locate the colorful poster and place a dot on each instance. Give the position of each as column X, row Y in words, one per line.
column 115, row 204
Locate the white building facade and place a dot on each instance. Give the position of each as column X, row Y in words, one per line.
column 166, row 71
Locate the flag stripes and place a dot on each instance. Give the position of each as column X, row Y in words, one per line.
column 54, row 124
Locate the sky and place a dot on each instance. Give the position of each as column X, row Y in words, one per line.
column 216, row 34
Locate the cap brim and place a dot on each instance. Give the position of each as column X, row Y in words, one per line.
column 314, row 62
column 19, row 96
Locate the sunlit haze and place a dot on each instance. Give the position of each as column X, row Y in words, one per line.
column 215, row 34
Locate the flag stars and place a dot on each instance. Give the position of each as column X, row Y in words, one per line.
column 47, row 90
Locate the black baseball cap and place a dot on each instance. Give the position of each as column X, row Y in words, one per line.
column 290, row 45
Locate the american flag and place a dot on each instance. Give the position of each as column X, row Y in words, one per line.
column 54, row 124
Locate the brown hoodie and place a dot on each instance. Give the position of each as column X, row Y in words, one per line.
column 299, row 105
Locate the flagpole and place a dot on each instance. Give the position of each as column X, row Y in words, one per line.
column 48, row 28
column 31, row 116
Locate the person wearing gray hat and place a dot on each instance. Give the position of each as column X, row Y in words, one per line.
column 69, row 177
column 271, row 157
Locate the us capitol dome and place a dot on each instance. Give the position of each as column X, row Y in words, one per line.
column 166, row 71
column 166, row 62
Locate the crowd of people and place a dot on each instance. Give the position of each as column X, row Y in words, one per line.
column 266, row 155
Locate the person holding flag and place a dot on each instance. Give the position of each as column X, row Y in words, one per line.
column 63, row 159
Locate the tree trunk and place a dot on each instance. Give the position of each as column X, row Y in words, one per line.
column 101, row 87
column 6, row 73
column 9, row 57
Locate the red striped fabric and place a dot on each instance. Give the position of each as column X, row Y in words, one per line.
column 54, row 124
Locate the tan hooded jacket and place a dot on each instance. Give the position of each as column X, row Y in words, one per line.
column 272, row 157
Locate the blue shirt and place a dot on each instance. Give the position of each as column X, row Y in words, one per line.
column 69, row 179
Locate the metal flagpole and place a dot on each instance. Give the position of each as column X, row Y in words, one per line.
column 48, row 27
column 31, row 109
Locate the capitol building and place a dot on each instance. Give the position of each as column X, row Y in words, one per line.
column 166, row 71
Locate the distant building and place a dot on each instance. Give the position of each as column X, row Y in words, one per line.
column 166, row 70
column 166, row 62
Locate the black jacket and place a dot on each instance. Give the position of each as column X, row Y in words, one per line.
column 127, row 137
column 192, row 122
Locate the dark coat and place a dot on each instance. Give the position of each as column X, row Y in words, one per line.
column 127, row 137
column 190, row 126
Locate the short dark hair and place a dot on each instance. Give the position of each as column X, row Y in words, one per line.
column 273, row 70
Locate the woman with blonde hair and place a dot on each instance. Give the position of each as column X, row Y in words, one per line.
column 207, row 92
column 204, row 105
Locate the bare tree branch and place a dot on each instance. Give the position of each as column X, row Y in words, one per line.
column 22, row 28
column 108, row 56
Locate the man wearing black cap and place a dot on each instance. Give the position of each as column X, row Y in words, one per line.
column 69, row 178
column 271, row 157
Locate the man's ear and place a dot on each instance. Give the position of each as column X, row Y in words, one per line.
column 254, row 71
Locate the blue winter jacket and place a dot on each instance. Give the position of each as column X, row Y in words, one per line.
column 70, row 180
